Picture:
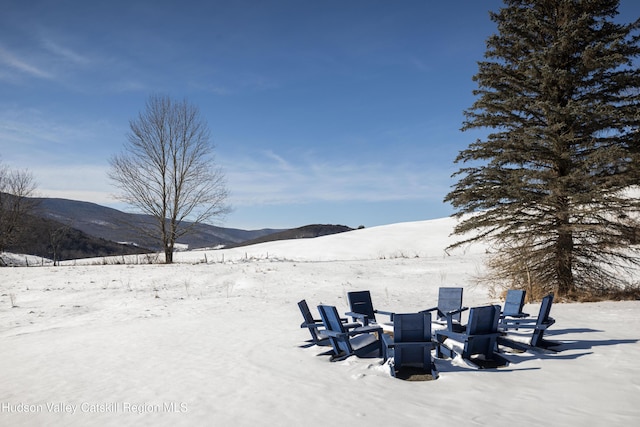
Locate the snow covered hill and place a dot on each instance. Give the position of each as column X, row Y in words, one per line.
column 217, row 342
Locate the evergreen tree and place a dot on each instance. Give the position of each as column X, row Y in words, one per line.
column 560, row 92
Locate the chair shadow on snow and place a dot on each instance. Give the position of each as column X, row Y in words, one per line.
column 572, row 331
column 558, row 353
column 585, row 345
column 577, row 344
column 446, row 366
column 562, row 346
column 589, row 344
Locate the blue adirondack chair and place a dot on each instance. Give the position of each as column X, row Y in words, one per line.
column 449, row 307
column 539, row 326
column 316, row 327
column 364, row 341
column 479, row 339
column 361, row 308
column 411, row 345
column 513, row 304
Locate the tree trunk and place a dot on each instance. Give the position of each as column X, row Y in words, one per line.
column 168, row 255
column 564, row 261
column 170, row 242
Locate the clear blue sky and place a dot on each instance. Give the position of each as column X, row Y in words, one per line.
column 331, row 111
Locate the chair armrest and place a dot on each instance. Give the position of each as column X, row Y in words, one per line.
column 514, row 316
column 456, row 336
column 336, row 334
column 550, row 321
column 362, row 317
column 352, row 325
column 312, row 325
column 357, row 331
column 429, row 309
column 386, row 313
column 456, row 311
column 506, row 324
column 516, row 323
column 449, row 316
column 365, row 330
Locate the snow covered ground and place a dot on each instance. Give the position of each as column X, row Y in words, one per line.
column 214, row 340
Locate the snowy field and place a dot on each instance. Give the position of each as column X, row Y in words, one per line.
column 213, row 340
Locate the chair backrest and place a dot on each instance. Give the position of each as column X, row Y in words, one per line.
column 308, row 319
column 412, row 327
column 483, row 320
column 331, row 320
column 482, row 329
column 543, row 321
column 306, row 313
column 360, row 302
column 545, row 310
column 514, row 302
column 449, row 299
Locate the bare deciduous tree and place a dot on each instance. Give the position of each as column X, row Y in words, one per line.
column 16, row 186
column 167, row 170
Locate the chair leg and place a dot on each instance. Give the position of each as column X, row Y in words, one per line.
column 444, row 351
column 434, row 370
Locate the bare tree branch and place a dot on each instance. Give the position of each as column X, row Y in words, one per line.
column 167, row 170
column 16, row 186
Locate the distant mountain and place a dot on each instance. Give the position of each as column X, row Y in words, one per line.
column 306, row 232
column 51, row 239
column 64, row 229
column 117, row 226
